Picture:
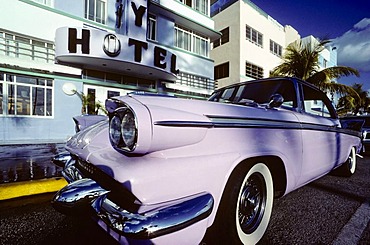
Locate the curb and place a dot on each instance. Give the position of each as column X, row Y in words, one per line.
column 352, row 232
column 33, row 187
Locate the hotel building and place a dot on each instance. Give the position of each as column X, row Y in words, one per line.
column 56, row 54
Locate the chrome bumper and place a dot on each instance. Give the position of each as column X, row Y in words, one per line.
column 70, row 172
column 85, row 194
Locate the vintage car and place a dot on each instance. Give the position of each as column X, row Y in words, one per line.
column 166, row 170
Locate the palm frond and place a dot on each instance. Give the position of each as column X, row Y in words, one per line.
column 301, row 60
column 340, row 71
column 342, row 89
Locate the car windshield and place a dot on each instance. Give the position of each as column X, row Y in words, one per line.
column 259, row 92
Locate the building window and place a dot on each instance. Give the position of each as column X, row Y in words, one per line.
column 182, row 38
column 200, row 45
column 111, row 94
column 26, row 96
column 254, row 36
column 324, row 63
column 253, row 71
column 194, row 81
column 224, row 38
column 26, row 48
column 222, row 71
column 95, row 10
column 152, row 27
column 188, row 40
column 199, row 5
column 275, row 48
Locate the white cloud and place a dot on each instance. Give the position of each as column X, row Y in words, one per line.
column 354, row 46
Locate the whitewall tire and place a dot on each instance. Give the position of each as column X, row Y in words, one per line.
column 254, row 204
column 245, row 208
column 349, row 167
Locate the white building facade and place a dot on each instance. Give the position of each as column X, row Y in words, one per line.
column 255, row 42
column 52, row 51
column 252, row 43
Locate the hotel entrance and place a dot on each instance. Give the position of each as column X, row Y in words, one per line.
column 93, row 98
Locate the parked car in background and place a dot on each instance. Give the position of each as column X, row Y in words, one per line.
column 166, row 170
column 362, row 121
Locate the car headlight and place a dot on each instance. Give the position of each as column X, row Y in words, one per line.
column 115, row 130
column 123, row 129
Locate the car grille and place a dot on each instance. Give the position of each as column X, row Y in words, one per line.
column 118, row 193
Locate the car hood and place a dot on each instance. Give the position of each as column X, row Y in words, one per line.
column 168, row 122
column 208, row 109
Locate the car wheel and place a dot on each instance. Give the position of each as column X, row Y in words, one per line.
column 245, row 208
column 349, row 167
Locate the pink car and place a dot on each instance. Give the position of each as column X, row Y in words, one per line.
column 165, row 170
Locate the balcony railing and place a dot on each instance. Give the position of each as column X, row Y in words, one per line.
column 26, row 48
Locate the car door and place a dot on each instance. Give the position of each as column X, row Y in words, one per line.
column 320, row 137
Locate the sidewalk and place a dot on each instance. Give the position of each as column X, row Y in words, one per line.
column 26, row 169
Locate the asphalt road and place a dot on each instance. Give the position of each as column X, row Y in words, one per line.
column 331, row 210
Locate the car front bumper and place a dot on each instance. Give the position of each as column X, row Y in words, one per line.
column 84, row 194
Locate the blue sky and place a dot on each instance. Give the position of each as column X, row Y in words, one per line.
column 346, row 22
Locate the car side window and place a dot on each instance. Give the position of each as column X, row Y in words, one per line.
column 316, row 103
column 239, row 93
column 261, row 92
column 227, row 95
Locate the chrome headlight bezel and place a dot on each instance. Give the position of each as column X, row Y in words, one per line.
column 123, row 129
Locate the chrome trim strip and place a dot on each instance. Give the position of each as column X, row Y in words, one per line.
column 184, row 124
column 157, row 222
column 234, row 122
column 278, row 124
column 253, row 123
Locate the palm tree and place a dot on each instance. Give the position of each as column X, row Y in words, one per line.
column 348, row 104
column 301, row 60
column 86, row 102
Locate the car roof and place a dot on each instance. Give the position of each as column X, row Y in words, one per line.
column 293, row 79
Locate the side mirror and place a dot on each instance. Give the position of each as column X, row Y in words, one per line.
column 276, row 100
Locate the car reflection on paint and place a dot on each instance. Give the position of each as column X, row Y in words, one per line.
column 166, row 170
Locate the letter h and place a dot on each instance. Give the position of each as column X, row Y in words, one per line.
column 73, row 41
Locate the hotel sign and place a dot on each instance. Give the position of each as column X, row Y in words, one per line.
column 98, row 49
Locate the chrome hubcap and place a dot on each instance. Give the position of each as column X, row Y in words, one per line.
column 252, row 203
